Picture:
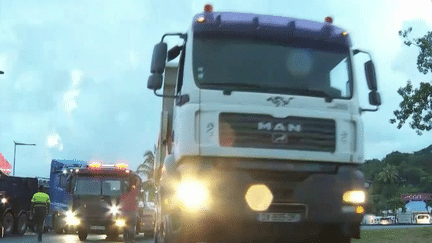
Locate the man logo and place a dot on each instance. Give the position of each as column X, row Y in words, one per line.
column 280, row 138
column 290, row 127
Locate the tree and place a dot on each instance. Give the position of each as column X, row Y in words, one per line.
column 146, row 168
column 417, row 102
column 388, row 175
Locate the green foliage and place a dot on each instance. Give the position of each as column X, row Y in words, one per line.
column 398, row 173
column 417, row 102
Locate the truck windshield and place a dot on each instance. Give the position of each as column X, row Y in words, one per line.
column 227, row 63
column 93, row 186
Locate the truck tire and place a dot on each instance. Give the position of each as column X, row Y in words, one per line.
column 8, row 223
column 21, row 224
column 82, row 234
column 56, row 224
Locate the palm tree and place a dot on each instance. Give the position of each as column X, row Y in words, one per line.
column 146, row 168
column 388, row 175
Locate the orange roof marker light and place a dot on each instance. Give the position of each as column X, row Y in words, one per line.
column 121, row 166
column 95, row 165
column 328, row 19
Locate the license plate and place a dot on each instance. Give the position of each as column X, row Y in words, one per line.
column 96, row 227
column 279, row 217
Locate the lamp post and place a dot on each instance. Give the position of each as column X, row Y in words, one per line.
column 15, row 144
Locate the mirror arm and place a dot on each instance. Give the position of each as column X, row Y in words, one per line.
column 356, row 51
column 181, row 35
column 363, row 110
column 165, row 96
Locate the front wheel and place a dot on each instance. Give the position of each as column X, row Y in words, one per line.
column 56, row 224
column 21, row 224
column 82, row 234
column 8, row 223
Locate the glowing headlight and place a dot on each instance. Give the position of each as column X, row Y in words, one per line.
column 354, row 197
column 120, row 222
column 4, row 200
column 71, row 219
column 114, row 210
column 259, row 197
column 192, row 194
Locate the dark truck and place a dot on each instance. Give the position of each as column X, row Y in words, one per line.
column 15, row 203
column 98, row 193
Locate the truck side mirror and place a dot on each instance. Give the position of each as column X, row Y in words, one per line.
column 155, row 81
column 371, row 75
column 374, row 98
column 159, row 58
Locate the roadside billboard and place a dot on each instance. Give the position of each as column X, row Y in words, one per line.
column 416, row 197
column 5, row 167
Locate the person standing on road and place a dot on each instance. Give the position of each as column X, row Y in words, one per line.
column 130, row 209
column 40, row 205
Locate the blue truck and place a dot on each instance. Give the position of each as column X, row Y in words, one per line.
column 15, row 203
column 60, row 198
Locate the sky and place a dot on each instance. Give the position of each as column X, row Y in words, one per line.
column 76, row 71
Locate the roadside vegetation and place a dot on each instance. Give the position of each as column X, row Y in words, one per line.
column 396, row 174
column 411, row 235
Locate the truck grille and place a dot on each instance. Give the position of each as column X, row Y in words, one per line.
column 264, row 131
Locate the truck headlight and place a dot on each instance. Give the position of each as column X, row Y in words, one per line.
column 71, row 219
column 354, row 197
column 120, row 222
column 259, row 197
column 114, row 210
column 192, row 195
column 4, row 200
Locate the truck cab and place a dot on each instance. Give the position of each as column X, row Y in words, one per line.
column 99, row 194
column 260, row 127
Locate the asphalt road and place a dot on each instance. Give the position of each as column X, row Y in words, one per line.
column 394, row 226
column 71, row 238
column 67, row 238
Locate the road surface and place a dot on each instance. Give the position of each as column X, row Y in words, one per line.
column 73, row 238
column 394, row 226
column 67, row 238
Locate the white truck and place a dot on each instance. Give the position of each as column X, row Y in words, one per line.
column 261, row 133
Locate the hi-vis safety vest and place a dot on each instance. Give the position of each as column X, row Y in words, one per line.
column 40, row 199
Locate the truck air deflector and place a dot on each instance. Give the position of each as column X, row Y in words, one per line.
column 270, row 28
column 265, row 131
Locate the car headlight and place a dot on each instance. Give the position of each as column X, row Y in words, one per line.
column 71, row 218
column 192, row 195
column 114, row 210
column 354, row 197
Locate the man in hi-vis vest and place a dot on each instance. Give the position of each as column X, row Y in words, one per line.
column 40, row 206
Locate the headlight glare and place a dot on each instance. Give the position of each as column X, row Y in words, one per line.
column 114, row 210
column 192, row 195
column 120, row 222
column 354, row 197
column 259, row 197
column 71, row 218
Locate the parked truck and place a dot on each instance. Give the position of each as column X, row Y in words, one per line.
column 15, row 203
column 60, row 198
column 261, row 135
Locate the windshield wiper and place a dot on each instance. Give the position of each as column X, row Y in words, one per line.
column 229, row 87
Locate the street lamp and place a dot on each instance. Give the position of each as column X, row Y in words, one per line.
column 15, row 144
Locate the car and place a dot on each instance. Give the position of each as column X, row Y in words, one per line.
column 148, row 218
column 422, row 219
column 386, row 220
